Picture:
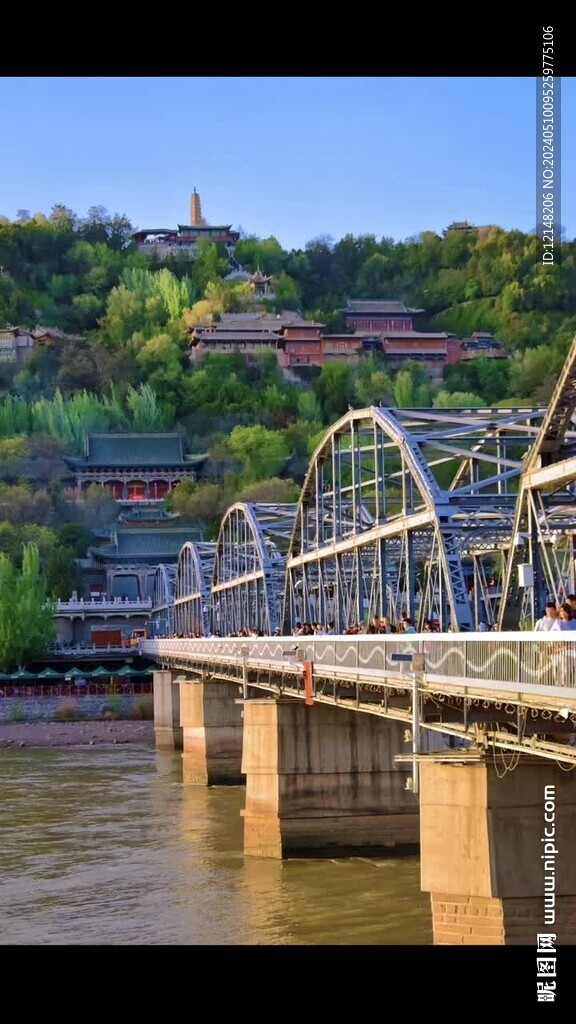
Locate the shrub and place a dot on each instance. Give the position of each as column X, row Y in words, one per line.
column 66, row 713
column 143, row 709
column 113, row 706
column 17, row 714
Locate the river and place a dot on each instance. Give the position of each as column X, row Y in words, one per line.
column 103, row 846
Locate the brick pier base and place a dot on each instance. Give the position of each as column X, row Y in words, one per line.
column 484, row 835
column 478, row 920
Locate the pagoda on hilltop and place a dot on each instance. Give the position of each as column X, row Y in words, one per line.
column 166, row 242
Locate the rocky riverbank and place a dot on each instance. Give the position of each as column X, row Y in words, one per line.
column 76, row 734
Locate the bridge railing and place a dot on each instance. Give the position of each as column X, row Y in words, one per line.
column 535, row 659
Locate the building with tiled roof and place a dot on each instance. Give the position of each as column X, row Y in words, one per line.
column 165, row 242
column 379, row 315
column 286, row 333
column 144, row 545
column 16, row 344
column 123, row 566
column 483, row 344
column 135, row 467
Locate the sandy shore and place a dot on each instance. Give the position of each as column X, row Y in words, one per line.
column 75, row 734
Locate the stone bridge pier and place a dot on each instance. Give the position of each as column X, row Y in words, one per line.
column 167, row 728
column 321, row 780
column 497, row 851
column 212, row 729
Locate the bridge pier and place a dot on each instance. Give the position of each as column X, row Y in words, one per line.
column 321, row 780
column 212, row 730
column 167, row 729
column 484, row 834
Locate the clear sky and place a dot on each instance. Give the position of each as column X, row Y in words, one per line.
column 296, row 158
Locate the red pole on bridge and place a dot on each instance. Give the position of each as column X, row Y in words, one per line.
column 307, row 677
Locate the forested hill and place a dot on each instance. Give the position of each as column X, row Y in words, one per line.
column 122, row 362
column 130, row 315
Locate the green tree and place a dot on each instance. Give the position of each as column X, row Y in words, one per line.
column 334, row 390
column 99, row 508
column 26, row 612
column 262, row 452
column 408, row 393
column 273, row 491
column 75, row 538
column 62, row 573
column 457, row 400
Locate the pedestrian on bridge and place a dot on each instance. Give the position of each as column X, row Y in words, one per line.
column 548, row 619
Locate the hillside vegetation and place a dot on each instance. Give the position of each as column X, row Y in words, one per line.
column 124, row 360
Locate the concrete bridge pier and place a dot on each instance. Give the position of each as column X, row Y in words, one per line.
column 212, row 728
column 167, row 728
column 321, row 780
column 487, row 842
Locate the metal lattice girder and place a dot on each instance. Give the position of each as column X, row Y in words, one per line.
column 249, row 568
column 549, row 471
column 162, row 615
column 192, row 588
column 392, row 501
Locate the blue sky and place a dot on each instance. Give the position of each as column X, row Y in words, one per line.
column 296, row 158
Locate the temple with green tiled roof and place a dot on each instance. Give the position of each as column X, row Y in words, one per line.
column 135, row 467
column 127, row 562
column 145, row 546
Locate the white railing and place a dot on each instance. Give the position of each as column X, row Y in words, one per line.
column 95, row 604
column 512, row 662
column 87, row 650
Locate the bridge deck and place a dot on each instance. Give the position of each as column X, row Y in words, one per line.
column 504, row 690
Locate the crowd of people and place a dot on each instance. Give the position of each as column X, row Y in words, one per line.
column 382, row 624
column 556, row 617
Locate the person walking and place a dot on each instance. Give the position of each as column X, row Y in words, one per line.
column 548, row 619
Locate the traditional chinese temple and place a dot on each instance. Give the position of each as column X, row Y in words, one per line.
column 126, row 563
column 135, row 467
column 377, row 315
column 165, row 242
column 295, row 339
column 484, row 344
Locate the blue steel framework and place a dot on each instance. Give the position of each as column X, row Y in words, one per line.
column 400, row 513
column 162, row 615
column 544, row 528
column 249, row 568
column 192, row 588
column 403, row 511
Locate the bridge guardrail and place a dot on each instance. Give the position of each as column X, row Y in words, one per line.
column 527, row 659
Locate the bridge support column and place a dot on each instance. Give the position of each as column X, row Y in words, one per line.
column 167, row 730
column 212, row 733
column 321, row 780
column 487, row 838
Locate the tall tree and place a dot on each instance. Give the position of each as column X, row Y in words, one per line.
column 26, row 612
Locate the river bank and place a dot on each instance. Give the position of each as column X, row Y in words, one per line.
column 75, row 734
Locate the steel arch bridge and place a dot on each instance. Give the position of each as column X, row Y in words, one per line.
column 543, row 535
column 192, row 588
column 400, row 513
column 162, row 615
column 249, row 568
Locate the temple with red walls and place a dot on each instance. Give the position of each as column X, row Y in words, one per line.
column 135, row 467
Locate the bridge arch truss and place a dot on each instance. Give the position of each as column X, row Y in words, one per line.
column 543, row 536
column 162, row 615
column 192, row 588
column 249, row 568
column 402, row 511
